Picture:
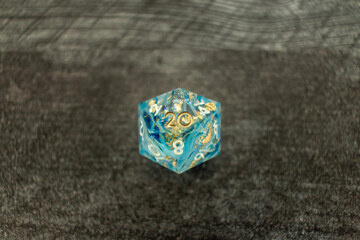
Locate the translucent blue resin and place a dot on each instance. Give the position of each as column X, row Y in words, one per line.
column 179, row 129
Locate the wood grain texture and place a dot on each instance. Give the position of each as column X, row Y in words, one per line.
column 220, row 24
column 73, row 71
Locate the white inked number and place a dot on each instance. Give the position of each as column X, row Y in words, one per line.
column 155, row 108
column 203, row 111
column 159, row 158
column 199, row 156
column 178, row 147
column 205, row 150
column 142, row 130
column 154, row 150
column 199, row 103
column 216, row 129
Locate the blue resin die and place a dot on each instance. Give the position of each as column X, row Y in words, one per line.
column 179, row 129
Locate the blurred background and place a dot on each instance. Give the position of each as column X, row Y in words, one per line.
column 287, row 74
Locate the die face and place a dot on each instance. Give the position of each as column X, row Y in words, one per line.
column 179, row 129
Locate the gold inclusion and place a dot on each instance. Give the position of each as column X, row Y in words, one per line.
column 176, row 131
column 170, row 138
column 208, row 137
column 198, row 115
column 210, row 106
column 192, row 96
column 172, row 160
column 152, row 102
column 194, row 163
column 202, row 137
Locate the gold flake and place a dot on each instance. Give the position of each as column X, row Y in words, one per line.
column 198, row 115
column 152, row 102
column 208, row 137
column 192, row 96
column 171, row 160
column 170, row 138
column 193, row 163
column 210, row 106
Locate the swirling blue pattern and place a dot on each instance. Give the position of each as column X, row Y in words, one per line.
column 179, row 129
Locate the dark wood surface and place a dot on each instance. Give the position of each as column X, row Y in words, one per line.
column 251, row 24
column 73, row 72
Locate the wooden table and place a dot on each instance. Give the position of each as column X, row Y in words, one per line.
column 288, row 77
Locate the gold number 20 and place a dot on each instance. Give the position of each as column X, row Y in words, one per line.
column 179, row 120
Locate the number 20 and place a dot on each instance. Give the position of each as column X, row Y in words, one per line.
column 174, row 120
